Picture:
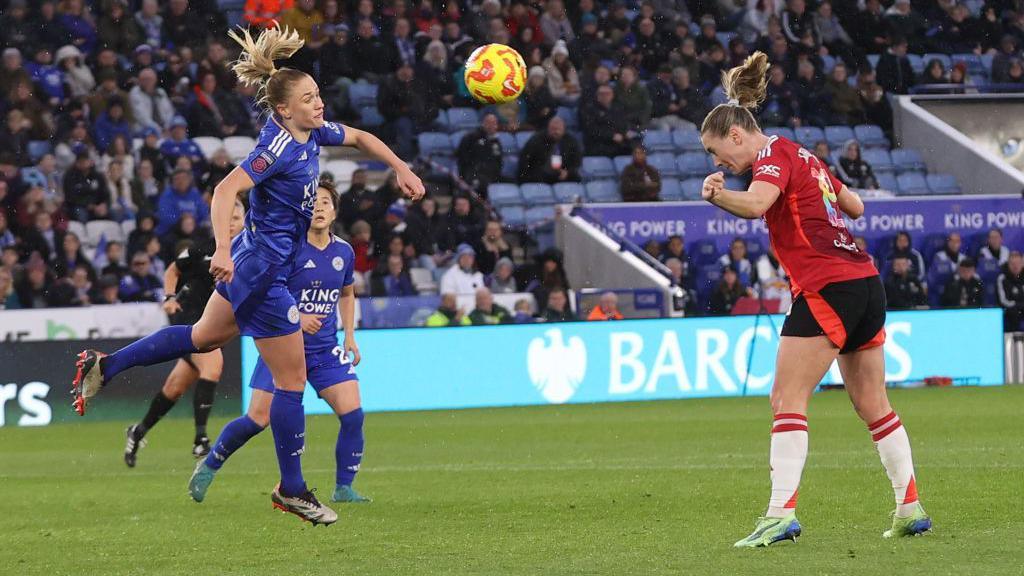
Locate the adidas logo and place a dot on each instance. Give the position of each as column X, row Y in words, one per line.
column 309, row 264
column 303, row 157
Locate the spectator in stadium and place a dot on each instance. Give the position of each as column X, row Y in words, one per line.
column 606, row 130
column 220, row 166
column 117, row 29
column 814, row 108
column 843, row 99
column 903, row 289
column 183, row 232
column 964, row 289
column 554, row 24
column 373, row 58
column 487, row 312
column 14, row 72
column 360, row 238
column 435, row 75
column 894, row 72
column 78, row 78
column 540, row 103
column 463, row 277
column 107, row 289
column 862, row 245
column 666, row 102
column 263, row 13
column 120, row 150
column 426, row 230
column 737, row 260
column 448, row 313
column 151, row 107
column 640, row 182
column 145, row 227
column 853, row 170
column 48, row 77
column 1010, row 289
column 634, row 99
column 141, row 285
column 772, row 280
column 551, row 156
column 502, row 280
column 557, row 307
column 394, row 281
column 145, row 187
column 150, row 23
column 479, row 155
column 304, row 18
column 934, row 73
column 115, row 261
column 405, row 108
column 74, row 289
column 215, row 112
column 182, row 26
column 521, row 314
column 563, row 80
column 493, row 247
column 833, row 35
column 465, row 224
column 180, row 145
column 8, row 296
column 729, row 290
column 6, row 236
column 607, row 308
column 951, row 253
column 85, row 190
column 824, row 155
column 782, row 104
column 1007, row 53
column 111, row 123
column 653, row 249
column 14, row 138
column 590, row 44
column 902, row 247
column 46, row 176
column 994, row 248
column 119, row 189
column 71, row 256
column 649, row 49
column 33, row 290
column 179, row 198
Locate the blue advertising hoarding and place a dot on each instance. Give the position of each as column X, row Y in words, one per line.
column 470, row 367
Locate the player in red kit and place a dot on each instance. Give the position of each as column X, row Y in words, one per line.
column 838, row 306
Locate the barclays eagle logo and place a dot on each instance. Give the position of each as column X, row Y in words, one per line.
column 557, row 369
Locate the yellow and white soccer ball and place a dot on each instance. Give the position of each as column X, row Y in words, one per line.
column 495, row 73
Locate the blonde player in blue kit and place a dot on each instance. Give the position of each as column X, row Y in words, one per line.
column 321, row 282
column 252, row 296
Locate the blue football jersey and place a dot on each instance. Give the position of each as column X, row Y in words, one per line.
column 316, row 281
column 285, row 174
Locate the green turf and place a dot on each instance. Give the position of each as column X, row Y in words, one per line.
column 645, row 488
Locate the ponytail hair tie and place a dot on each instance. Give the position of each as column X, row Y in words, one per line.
column 733, row 102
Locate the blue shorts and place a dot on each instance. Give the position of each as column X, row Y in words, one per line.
column 323, row 370
column 259, row 295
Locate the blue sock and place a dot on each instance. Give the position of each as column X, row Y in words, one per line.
column 348, row 452
column 231, row 438
column 160, row 346
column 288, row 423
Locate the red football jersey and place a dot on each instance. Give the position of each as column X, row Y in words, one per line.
column 805, row 225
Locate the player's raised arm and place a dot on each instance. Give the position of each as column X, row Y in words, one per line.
column 408, row 183
column 850, row 203
column 752, row 203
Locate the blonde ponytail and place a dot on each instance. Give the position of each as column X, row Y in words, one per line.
column 746, row 86
column 255, row 65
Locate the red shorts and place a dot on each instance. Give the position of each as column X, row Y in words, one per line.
column 850, row 313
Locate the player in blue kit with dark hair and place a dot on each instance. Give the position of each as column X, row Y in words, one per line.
column 321, row 281
column 252, row 296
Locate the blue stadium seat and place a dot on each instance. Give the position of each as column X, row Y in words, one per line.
column 603, row 191
column 912, row 184
column 989, row 270
column 687, row 140
column 908, row 160
column 879, row 160
column 597, row 167
column 807, row 136
column 974, row 63
column 568, row 191
column 362, row 94
column 539, row 215
column 836, row 136
column 664, row 163
column 829, row 62
column 508, row 143
column 782, row 131
column 536, row 194
column 734, row 183
column 671, row 191
column 435, row 144
column 693, row 164
column 938, row 275
column 887, row 181
column 504, row 195
column 514, row 216
column 522, row 138
column 943, row 184
column 510, row 167
column 571, row 117
column 658, row 141
column 621, row 162
column 873, row 60
column 916, row 63
column 704, row 252
column 37, row 149
column 456, row 138
column 692, row 188
column 370, row 117
column 986, row 62
column 708, row 277
column 462, row 119
column 870, row 136
column 932, row 244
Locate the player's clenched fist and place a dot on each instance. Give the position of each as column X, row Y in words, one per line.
column 713, row 184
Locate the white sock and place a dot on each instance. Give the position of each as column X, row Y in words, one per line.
column 788, row 454
column 893, row 446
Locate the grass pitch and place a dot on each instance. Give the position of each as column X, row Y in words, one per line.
column 644, row 488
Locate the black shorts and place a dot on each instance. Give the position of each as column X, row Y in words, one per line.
column 850, row 313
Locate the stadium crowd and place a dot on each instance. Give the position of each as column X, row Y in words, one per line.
column 101, row 182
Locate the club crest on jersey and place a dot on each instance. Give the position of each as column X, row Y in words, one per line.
column 333, row 126
column 293, row 315
column 262, row 161
column 338, row 263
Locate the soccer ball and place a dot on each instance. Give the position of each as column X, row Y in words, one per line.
column 495, row 73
